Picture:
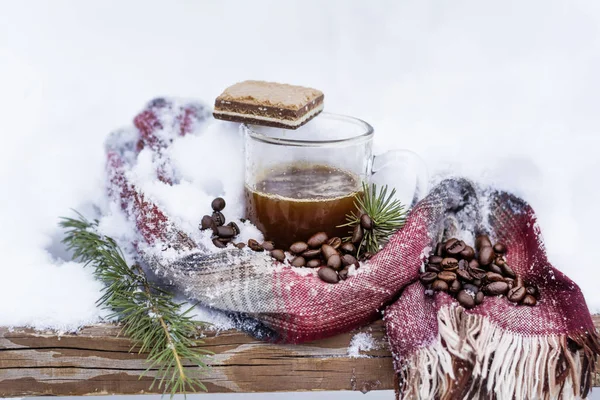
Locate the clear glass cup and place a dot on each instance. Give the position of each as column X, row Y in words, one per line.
column 300, row 182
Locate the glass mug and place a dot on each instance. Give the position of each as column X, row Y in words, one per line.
column 304, row 181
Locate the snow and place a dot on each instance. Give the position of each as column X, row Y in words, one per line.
column 362, row 341
column 503, row 93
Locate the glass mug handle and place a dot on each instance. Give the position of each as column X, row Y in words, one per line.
column 407, row 174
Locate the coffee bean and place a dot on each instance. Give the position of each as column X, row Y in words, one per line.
column 299, row 261
column 343, row 274
column 313, row 263
column 218, row 218
column 225, row 240
column 218, row 204
column 477, row 273
column 235, row 227
column 508, row 271
column 433, row 268
column 268, row 245
column 367, row 255
column 298, row 247
column 519, row 281
column 347, row 248
column 334, row 262
column 349, row 259
column 482, row 241
column 218, row 243
column 225, row 231
column 455, row 287
column 447, row 276
column 328, row 251
column 254, row 245
column 494, row 268
column 471, row 288
column 334, row 242
column 366, row 222
column 439, row 285
column 499, row 261
column 500, row 248
column 240, row 245
column 510, row 282
column 529, row 300
column 477, row 282
column 532, row 290
column 449, row 264
column 428, row 277
column 455, row 248
column 312, row 253
column 439, row 249
column 486, row 255
column 278, row 254
column 435, row 259
column 516, row 294
column 468, row 253
column 317, row 240
column 474, row 264
column 479, row 298
column 495, row 288
column 464, row 275
column 465, row 299
column 208, row 223
column 463, row 264
column 357, row 235
column 449, row 243
column 328, row 275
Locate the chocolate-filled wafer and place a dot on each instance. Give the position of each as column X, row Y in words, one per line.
column 268, row 103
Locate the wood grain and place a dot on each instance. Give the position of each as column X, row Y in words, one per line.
column 97, row 361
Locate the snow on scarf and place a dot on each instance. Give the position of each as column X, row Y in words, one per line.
column 440, row 350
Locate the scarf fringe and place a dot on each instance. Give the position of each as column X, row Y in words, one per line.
column 473, row 358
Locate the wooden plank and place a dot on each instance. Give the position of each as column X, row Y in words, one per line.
column 97, row 361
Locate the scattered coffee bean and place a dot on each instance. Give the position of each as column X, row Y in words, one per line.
column 435, row 259
column 299, row 262
column 328, row 275
column 218, row 218
column 516, row 294
column 254, row 245
column 278, row 254
column 334, row 242
column 481, row 241
column 218, row 243
column 463, row 264
column 510, row 282
column 343, row 274
column 465, row 299
column 312, row 253
column 456, row 248
column 313, row 263
column 316, row 240
column 347, row 248
column 455, row 287
column 494, row 268
column 235, row 227
column 468, row 253
column 500, row 248
column 508, row 271
column 499, row 261
column 225, row 240
column 225, row 231
column 433, row 268
column 471, row 288
column 366, row 222
column 529, row 300
column 268, row 245
column 477, row 282
column 479, row 297
column 486, row 255
column 494, row 277
column 519, row 281
column 218, row 204
column 357, row 235
column 448, row 244
column 298, row 247
column 449, row 264
column 447, row 276
column 428, row 277
column 328, row 251
column 349, row 259
column 477, row 273
column 439, row 249
column 334, row 262
column 439, row 285
column 464, row 275
column 495, row 288
column 474, row 264
column 532, row 290
column 240, row 245
column 208, row 223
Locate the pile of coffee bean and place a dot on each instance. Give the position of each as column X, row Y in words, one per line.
column 471, row 275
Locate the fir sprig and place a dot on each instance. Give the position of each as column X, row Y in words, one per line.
column 387, row 215
column 155, row 322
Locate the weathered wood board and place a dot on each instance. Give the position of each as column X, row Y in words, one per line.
column 97, row 361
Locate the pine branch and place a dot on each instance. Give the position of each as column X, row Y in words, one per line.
column 150, row 315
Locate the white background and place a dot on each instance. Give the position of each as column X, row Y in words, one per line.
column 504, row 92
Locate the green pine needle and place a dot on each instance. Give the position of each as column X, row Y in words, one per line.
column 150, row 316
column 388, row 215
